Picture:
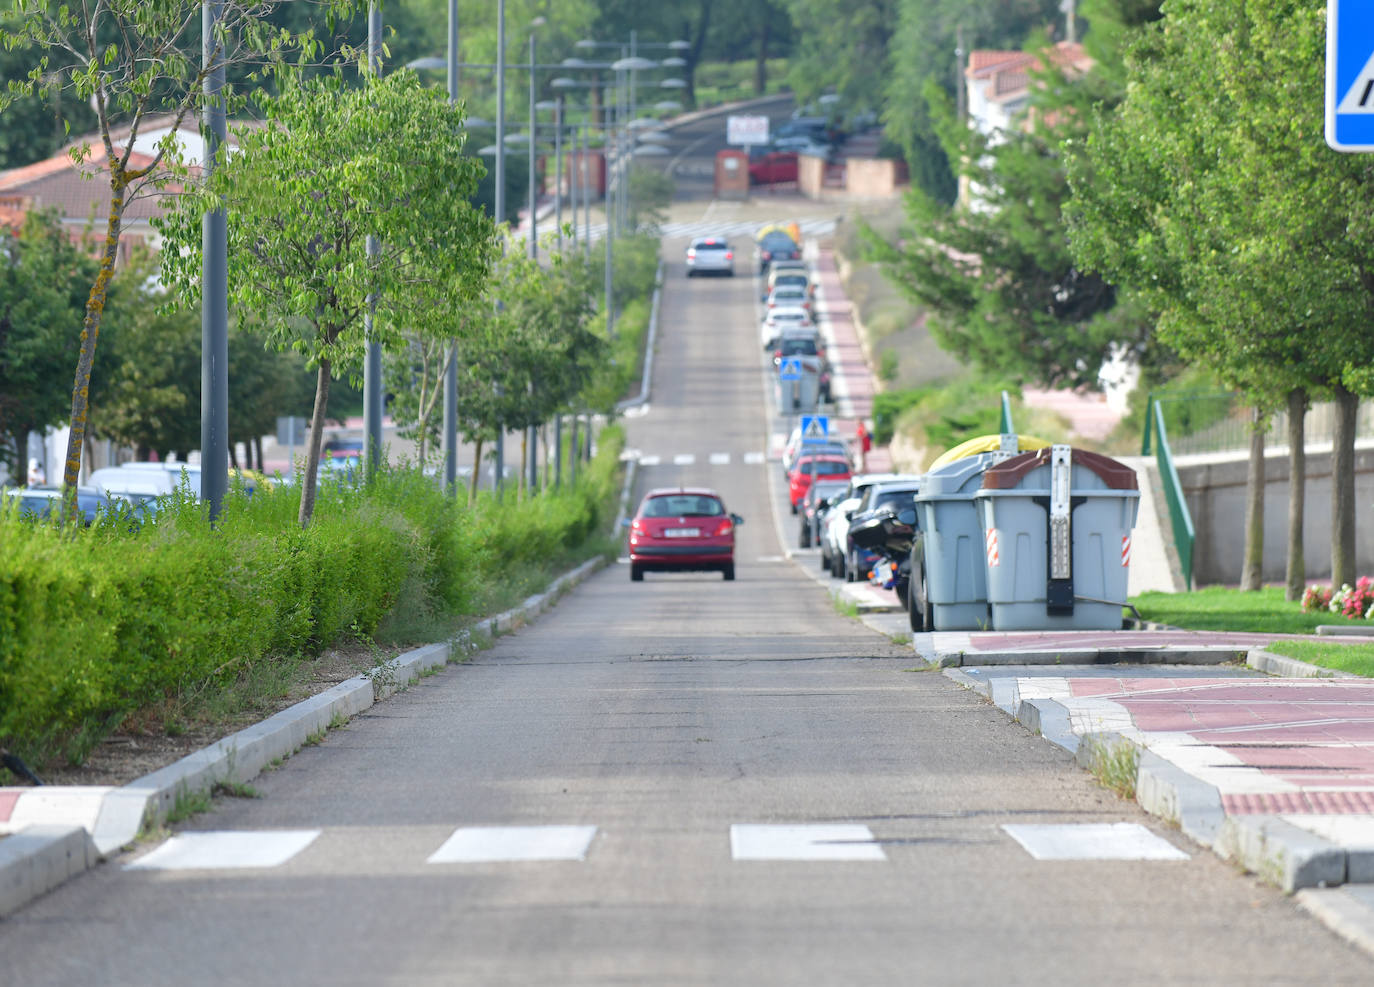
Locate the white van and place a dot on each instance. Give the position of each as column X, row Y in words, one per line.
column 149, row 479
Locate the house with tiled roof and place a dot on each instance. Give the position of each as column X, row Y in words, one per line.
column 81, row 192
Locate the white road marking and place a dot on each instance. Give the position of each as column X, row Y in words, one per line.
column 650, row 460
column 720, row 459
column 1093, row 841
column 684, row 459
column 818, row 841
column 771, row 558
column 755, row 458
column 226, row 850
column 501, row 844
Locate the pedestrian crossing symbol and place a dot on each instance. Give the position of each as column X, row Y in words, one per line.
column 1350, row 75
column 815, row 428
column 790, row 368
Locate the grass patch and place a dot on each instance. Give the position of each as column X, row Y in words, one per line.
column 1115, row 765
column 1357, row 659
column 1218, row 608
column 1265, row 611
column 846, row 608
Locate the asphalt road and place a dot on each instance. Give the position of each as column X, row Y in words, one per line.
column 666, row 715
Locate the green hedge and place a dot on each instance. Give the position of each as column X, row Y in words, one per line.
column 104, row 621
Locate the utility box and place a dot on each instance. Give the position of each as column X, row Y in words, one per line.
column 1056, row 527
column 732, row 174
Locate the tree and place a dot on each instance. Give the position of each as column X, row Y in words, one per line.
column 1253, row 242
column 43, row 277
column 1003, row 290
column 131, row 59
column 36, row 126
column 330, row 167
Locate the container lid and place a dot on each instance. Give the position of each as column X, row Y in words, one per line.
column 955, row 477
column 1009, row 473
column 985, row 443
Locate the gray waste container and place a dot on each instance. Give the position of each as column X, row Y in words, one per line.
column 1057, row 539
column 952, row 545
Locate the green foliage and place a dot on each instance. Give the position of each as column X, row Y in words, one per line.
column 888, row 405
column 332, row 167
column 98, row 623
column 43, row 283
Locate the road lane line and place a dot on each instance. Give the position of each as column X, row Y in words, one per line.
column 226, row 850
column 1093, row 841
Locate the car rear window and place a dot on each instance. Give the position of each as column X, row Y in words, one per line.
column 683, row 505
column 823, row 467
column 894, row 498
column 712, row 246
column 798, row 347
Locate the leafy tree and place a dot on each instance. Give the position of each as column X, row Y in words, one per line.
column 35, row 126
column 149, row 395
column 1253, row 242
column 330, row 167
column 43, row 278
column 1003, row 291
column 131, row 59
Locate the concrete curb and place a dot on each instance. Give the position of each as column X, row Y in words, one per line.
column 646, row 380
column 1098, row 656
column 1277, row 851
column 40, row 857
column 1292, row 667
column 1351, row 917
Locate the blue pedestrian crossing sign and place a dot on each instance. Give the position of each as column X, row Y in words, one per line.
column 815, row 428
column 790, row 368
column 1350, row 75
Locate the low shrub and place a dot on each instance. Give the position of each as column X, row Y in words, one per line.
column 98, row 623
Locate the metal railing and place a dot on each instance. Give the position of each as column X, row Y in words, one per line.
column 1180, row 520
column 1006, row 427
column 1202, row 422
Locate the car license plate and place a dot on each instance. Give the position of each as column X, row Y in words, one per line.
column 682, row 532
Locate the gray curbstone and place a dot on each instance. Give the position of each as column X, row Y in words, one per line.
column 1166, row 790
column 38, row 859
column 1050, row 720
column 1291, row 667
column 1349, row 912
column 1281, row 853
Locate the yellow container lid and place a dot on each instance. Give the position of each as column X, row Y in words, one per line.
column 986, row 443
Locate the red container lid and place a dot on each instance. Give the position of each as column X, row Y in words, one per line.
column 1008, row 473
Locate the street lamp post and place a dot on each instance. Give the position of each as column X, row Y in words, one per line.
column 450, row 437
column 500, row 479
column 372, row 365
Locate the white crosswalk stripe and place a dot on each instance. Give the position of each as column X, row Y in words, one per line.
column 502, row 844
column 720, row 459
column 755, row 458
column 812, row 841
column 1092, row 841
column 752, row 458
column 226, row 850
column 684, row 459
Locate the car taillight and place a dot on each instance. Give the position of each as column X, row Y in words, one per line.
column 724, row 528
column 766, row 255
column 691, row 253
column 729, row 255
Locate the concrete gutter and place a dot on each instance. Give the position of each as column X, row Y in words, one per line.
column 43, row 855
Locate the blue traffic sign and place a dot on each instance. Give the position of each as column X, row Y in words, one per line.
column 815, row 428
column 1350, row 75
column 790, row 368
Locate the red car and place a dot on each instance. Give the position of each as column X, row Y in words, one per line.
column 773, row 167
column 681, row 529
column 828, row 465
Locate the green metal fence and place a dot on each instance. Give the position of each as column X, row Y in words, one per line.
column 1179, row 519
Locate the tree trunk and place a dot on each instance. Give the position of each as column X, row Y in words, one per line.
column 233, row 455
column 90, row 332
column 312, row 453
column 1295, row 574
column 573, row 452
column 761, row 61
column 476, row 473
column 1252, row 570
column 524, row 458
column 1343, row 489
column 262, row 463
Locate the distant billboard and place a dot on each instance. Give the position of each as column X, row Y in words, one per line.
column 746, row 131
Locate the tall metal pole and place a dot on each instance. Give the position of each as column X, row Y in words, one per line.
column 533, row 189
column 585, row 166
column 500, row 479
column 532, row 433
column 372, row 364
column 609, row 237
column 450, row 438
column 558, row 168
column 557, row 451
column 214, row 312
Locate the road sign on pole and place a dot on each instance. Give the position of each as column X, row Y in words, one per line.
column 815, row 428
column 746, row 131
column 1350, row 75
column 790, row 368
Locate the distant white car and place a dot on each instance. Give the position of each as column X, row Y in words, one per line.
column 710, row 255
